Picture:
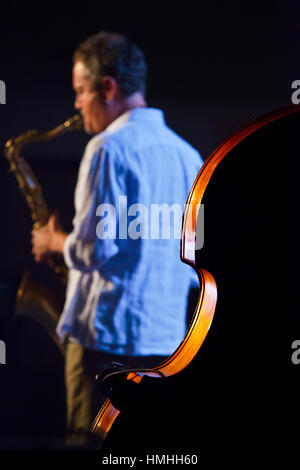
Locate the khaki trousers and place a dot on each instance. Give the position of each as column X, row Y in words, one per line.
column 84, row 397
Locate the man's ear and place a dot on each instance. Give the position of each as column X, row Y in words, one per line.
column 109, row 88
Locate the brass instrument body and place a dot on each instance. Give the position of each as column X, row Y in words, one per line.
column 39, row 301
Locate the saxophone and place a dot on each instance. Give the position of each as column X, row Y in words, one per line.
column 33, row 298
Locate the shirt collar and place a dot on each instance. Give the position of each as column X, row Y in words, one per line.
column 136, row 114
column 118, row 122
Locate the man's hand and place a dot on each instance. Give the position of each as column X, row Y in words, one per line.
column 47, row 239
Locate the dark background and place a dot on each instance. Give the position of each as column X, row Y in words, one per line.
column 211, row 69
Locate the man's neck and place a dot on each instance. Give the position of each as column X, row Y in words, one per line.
column 136, row 100
column 122, row 105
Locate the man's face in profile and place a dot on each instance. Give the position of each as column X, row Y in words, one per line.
column 89, row 101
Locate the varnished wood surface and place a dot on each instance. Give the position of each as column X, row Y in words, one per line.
column 188, row 248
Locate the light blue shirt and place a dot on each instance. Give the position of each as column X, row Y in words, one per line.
column 127, row 289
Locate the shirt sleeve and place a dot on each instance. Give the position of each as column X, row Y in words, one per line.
column 92, row 241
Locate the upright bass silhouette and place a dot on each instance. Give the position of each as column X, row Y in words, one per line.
column 238, row 390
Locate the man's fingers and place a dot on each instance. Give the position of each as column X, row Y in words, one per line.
column 53, row 222
column 40, row 257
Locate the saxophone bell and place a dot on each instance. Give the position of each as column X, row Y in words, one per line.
column 39, row 301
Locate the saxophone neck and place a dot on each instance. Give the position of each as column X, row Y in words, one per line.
column 14, row 146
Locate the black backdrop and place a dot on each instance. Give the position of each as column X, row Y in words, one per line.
column 211, row 68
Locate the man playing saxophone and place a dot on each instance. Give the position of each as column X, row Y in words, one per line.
column 126, row 296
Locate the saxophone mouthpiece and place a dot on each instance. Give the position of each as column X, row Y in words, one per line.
column 74, row 122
